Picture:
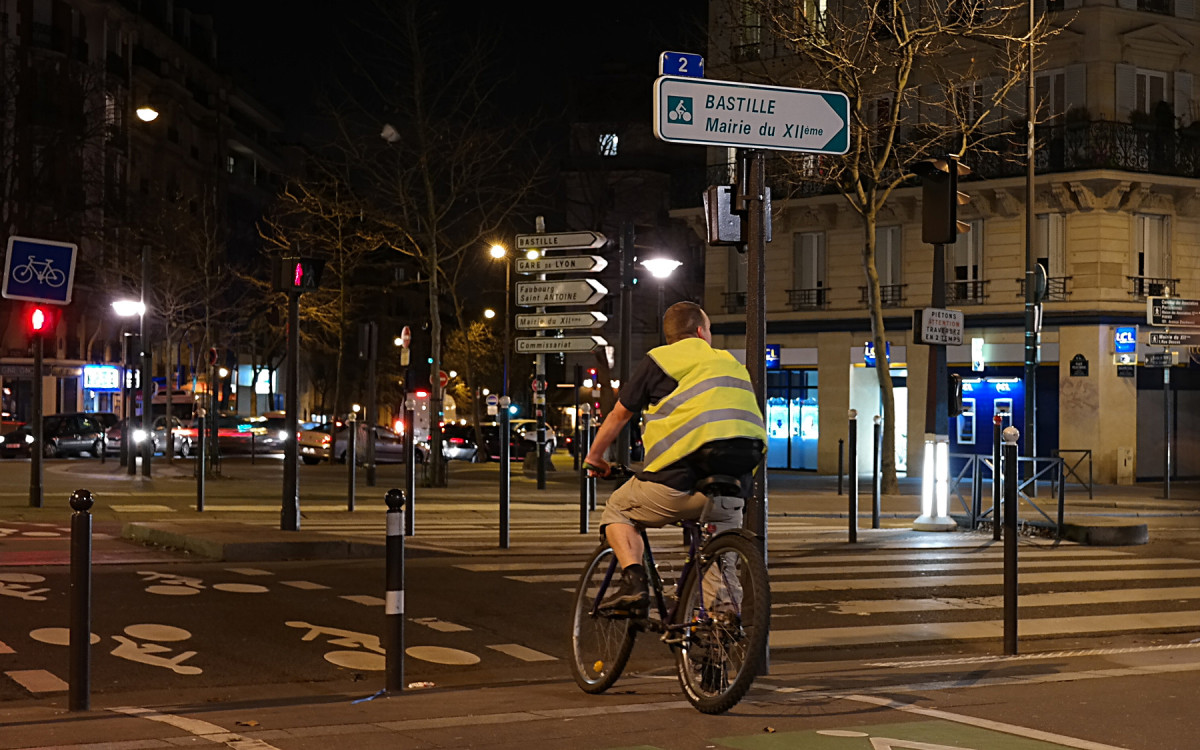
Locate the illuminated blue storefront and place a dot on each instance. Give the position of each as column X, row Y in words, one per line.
column 792, row 422
column 1000, row 391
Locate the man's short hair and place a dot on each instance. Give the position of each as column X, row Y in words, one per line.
column 681, row 320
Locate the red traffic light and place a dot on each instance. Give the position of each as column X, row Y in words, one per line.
column 42, row 320
column 37, row 319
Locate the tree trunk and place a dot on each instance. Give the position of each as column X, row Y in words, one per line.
column 882, row 366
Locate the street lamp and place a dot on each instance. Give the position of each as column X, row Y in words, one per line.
column 489, row 313
column 661, row 268
column 500, row 252
column 146, row 113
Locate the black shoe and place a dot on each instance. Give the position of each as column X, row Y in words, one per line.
column 628, row 598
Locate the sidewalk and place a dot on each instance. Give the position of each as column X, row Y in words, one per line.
column 161, row 511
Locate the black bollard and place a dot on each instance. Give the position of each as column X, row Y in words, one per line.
column 1011, row 434
column 841, row 467
column 853, row 474
column 79, row 668
column 997, row 421
column 503, row 434
column 351, row 460
column 252, row 449
column 394, row 607
column 581, row 448
column 201, row 466
column 876, row 466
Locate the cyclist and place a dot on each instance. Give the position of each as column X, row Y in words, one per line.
column 701, row 418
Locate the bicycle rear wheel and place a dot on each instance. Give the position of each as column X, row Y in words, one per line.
column 600, row 645
column 726, row 633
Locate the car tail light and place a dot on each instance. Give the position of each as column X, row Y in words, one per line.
column 326, row 439
column 456, row 441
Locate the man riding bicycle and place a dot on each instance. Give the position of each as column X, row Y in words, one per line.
column 701, row 418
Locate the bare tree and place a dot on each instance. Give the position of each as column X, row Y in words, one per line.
column 924, row 80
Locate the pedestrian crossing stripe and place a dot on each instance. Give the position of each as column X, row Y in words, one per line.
column 38, row 680
column 1025, row 601
column 994, row 579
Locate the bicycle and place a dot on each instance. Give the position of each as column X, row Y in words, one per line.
column 44, row 270
column 717, row 633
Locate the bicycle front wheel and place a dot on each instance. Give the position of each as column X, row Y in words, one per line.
column 725, row 609
column 600, row 645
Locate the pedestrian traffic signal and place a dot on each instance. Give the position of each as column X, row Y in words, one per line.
column 296, row 274
column 43, row 319
column 940, row 200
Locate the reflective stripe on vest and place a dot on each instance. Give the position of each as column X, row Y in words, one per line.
column 714, row 400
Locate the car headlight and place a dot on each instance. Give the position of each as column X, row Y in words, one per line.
column 29, row 439
column 139, row 436
column 283, row 435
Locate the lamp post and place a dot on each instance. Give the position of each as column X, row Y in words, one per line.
column 500, row 252
column 127, row 308
column 661, row 268
column 502, row 414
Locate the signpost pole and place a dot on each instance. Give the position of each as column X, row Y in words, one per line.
column 372, row 399
column 289, row 514
column 937, row 419
column 1166, row 371
column 38, row 450
column 539, row 397
column 146, row 364
column 502, row 435
column 625, row 250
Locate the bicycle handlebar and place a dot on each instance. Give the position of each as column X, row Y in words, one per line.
column 615, row 471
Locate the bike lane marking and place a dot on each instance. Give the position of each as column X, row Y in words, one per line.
column 38, row 680
column 198, row 728
column 948, row 732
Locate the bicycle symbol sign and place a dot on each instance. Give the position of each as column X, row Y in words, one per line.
column 39, row 270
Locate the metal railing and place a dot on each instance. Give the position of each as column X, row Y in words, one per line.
column 1056, row 288
column 890, row 295
column 1071, row 469
column 1044, row 469
column 966, row 292
column 735, row 302
column 1149, row 286
column 808, row 299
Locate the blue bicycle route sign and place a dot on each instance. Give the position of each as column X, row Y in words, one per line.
column 39, row 270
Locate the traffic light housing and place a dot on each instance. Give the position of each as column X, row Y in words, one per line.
column 955, row 403
column 940, row 199
column 296, row 274
column 42, row 320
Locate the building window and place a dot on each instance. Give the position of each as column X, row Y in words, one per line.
column 230, row 164
column 1150, row 244
column 808, row 261
column 607, row 144
column 748, row 36
column 1049, row 239
column 966, row 282
column 968, row 101
column 1051, row 87
column 889, row 259
column 1151, row 88
column 736, row 281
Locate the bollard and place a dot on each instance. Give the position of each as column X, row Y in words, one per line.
column 351, row 459
column 201, row 467
column 252, row 449
column 841, row 467
column 79, row 668
column 1011, row 469
column 504, row 435
column 877, row 481
column 394, row 602
column 852, row 465
column 581, row 446
column 997, row 421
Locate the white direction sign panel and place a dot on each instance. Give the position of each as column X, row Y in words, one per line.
column 589, row 319
column 553, row 345
column 565, row 292
column 562, row 264
column 562, row 240
column 938, row 326
column 747, row 115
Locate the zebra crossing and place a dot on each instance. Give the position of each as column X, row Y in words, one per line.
column 895, row 586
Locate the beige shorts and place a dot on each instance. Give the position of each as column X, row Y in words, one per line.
column 651, row 504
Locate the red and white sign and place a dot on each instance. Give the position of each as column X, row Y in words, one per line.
column 443, row 378
column 405, row 336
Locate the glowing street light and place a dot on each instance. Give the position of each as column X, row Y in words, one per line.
column 146, row 113
column 489, row 313
column 127, row 308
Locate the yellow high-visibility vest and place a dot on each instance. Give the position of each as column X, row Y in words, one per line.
column 713, row 401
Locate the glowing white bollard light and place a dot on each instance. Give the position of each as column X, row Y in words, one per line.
column 935, row 487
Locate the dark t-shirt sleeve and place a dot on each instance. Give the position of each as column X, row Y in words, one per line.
column 647, row 385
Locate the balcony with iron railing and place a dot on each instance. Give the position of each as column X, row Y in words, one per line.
column 966, row 292
column 735, row 302
column 808, row 299
column 1056, row 288
column 1149, row 286
column 890, row 295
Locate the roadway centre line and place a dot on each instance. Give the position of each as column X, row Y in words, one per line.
column 1025, row 601
column 997, row 726
column 197, row 727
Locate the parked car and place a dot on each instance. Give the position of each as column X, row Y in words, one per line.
column 458, row 442
column 527, row 430
column 62, row 434
column 330, row 442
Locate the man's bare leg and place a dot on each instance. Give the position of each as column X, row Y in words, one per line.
column 626, row 543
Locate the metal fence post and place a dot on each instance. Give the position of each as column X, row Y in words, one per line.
column 876, row 479
column 394, row 602
column 79, row 668
column 853, row 473
column 351, row 458
column 1011, row 474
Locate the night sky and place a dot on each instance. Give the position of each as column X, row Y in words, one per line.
column 548, row 52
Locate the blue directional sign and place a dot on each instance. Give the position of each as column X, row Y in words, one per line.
column 683, row 64
column 39, row 270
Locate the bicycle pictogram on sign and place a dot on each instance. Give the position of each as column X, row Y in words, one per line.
column 39, row 270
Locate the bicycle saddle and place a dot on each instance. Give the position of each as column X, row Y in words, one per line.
column 719, row 485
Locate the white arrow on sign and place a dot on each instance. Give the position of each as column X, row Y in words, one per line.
column 566, row 292
column 562, row 240
column 562, row 264
column 730, row 113
column 589, row 319
column 551, row 344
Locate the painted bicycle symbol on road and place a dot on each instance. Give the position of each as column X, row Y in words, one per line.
column 43, row 270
